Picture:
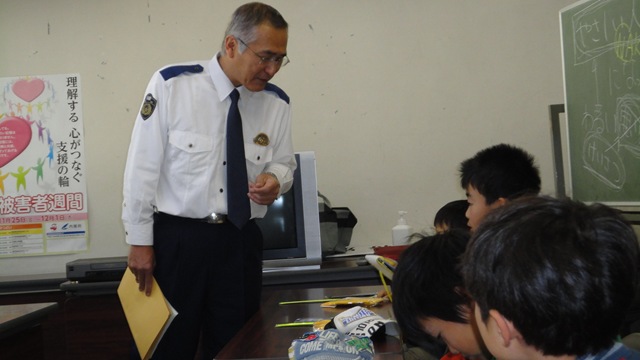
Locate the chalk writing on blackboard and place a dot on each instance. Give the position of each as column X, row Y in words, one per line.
column 601, row 48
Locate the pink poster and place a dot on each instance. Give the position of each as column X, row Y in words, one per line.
column 43, row 197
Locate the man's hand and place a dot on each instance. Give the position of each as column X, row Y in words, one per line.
column 141, row 262
column 265, row 190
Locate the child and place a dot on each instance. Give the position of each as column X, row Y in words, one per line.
column 451, row 216
column 552, row 278
column 429, row 302
column 494, row 176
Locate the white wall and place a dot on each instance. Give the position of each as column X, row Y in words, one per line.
column 391, row 95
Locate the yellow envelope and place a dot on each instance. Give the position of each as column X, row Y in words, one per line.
column 148, row 316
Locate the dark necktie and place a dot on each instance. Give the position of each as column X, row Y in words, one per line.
column 237, row 184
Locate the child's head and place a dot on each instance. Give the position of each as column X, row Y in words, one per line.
column 428, row 297
column 451, row 216
column 553, row 277
column 496, row 175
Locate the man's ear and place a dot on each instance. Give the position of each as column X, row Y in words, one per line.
column 230, row 45
column 505, row 327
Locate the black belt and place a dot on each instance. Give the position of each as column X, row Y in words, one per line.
column 213, row 218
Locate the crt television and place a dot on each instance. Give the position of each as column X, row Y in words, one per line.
column 291, row 227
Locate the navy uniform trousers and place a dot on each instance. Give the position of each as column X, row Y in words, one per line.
column 212, row 275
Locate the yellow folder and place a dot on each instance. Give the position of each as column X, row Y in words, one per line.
column 148, row 316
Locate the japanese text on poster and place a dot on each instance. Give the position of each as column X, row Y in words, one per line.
column 43, row 197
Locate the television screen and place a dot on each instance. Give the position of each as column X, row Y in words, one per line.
column 279, row 227
column 291, row 227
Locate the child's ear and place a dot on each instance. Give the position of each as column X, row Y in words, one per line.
column 498, row 203
column 505, row 327
column 501, row 201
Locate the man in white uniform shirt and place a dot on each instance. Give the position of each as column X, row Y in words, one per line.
column 175, row 185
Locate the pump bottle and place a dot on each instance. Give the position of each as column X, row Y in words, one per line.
column 401, row 232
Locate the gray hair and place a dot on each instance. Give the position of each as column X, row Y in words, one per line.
column 247, row 17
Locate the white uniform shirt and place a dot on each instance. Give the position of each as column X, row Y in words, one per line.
column 176, row 160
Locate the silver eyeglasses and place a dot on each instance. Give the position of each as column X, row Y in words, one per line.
column 276, row 60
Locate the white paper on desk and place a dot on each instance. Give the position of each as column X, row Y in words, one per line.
column 360, row 321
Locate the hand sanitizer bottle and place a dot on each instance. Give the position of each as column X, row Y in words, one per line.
column 401, row 232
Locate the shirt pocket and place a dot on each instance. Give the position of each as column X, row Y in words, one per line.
column 258, row 155
column 191, row 151
column 257, row 158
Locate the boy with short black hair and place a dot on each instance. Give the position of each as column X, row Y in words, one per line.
column 429, row 301
column 495, row 175
column 552, row 278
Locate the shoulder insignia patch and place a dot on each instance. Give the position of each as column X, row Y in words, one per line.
column 281, row 94
column 148, row 106
column 173, row 71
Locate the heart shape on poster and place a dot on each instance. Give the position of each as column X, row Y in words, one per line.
column 28, row 89
column 16, row 135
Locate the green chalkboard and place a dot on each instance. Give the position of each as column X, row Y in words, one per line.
column 601, row 59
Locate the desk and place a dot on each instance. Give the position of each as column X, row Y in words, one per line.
column 20, row 331
column 336, row 273
column 71, row 332
column 259, row 339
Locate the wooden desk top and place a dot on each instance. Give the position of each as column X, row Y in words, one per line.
column 16, row 317
column 260, row 339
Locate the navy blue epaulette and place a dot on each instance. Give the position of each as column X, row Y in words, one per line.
column 173, row 71
column 281, row 94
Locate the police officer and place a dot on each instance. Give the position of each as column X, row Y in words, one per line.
column 176, row 194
